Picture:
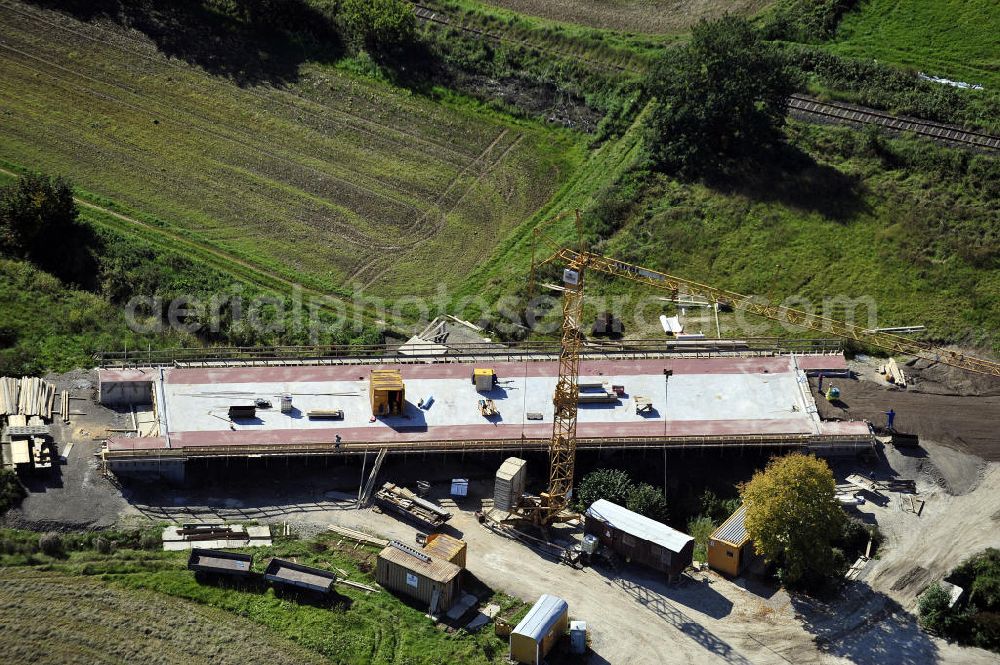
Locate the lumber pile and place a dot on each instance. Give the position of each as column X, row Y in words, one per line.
column 893, row 374
column 9, row 390
column 358, row 536
column 29, row 396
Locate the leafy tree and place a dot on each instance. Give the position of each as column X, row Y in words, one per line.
column 32, row 208
column 38, row 222
column 613, row 485
column 793, row 517
column 649, row 501
column 378, row 25
column 723, row 96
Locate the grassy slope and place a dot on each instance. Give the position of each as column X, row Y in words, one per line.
column 904, row 237
column 507, row 274
column 641, row 16
column 344, row 180
column 140, row 598
column 956, row 39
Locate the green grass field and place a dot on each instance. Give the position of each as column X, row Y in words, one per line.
column 145, row 606
column 335, row 181
column 956, row 39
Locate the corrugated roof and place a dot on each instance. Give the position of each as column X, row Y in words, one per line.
column 437, row 570
column 638, row 525
column 443, row 546
column 734, row 529
column 541, row 617
column 387, row 379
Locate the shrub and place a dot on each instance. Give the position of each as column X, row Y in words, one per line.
column 150, row 540
column 378, row 25
column 649, row 501
column 613, row 485
column 933, row 608
column 51, row 544
column 807, row 20
column 700, row 528
column 11, row 490
column 103, row 545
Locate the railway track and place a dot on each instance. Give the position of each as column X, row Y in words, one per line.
column 805, row 107
column 859, row 115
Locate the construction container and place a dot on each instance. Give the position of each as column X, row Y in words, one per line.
column 444, row 547
column 386, row 392
column 408, row 571
column 639, row 538
column 484, row 379
column 459, row 486
column 730, row 549
column 242, row 411
column 218, row 562
column 578, row 637
column 291, row 574
column 540, row 629
column 510, row 483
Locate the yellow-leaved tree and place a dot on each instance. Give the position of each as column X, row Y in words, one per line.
column 793, row 516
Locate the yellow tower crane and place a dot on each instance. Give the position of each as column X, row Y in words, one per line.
column 562, row 448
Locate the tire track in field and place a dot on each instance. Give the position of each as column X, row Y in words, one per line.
column 442, row 222
column 378, row 260
column 380, row 132
column 155, row 175
column 223, row 256
column 361, row 237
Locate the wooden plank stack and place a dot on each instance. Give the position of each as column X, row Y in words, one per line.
column 29, row 396
column 64, row 406
column 9, row 390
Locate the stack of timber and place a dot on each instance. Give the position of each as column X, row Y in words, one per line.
column 30, row 396
column 215, row 535
column 358, row 536
column 407, row 504
column 9, row 391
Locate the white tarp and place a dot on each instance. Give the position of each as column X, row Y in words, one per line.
column 671, row 325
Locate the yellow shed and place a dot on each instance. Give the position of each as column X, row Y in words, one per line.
column 444, row 547
column 387, row 392
column 539, row 630
column 730, row 549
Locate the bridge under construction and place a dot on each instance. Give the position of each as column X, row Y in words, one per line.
column 445, row 405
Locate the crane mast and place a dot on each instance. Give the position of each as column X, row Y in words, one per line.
column 562, row 448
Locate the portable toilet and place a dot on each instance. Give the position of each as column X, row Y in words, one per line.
column 286, row 403
column 485, row 379
column 578, row 637
column 387, row 392
column 539, row 630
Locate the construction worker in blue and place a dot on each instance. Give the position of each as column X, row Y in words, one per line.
column 890, row 418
